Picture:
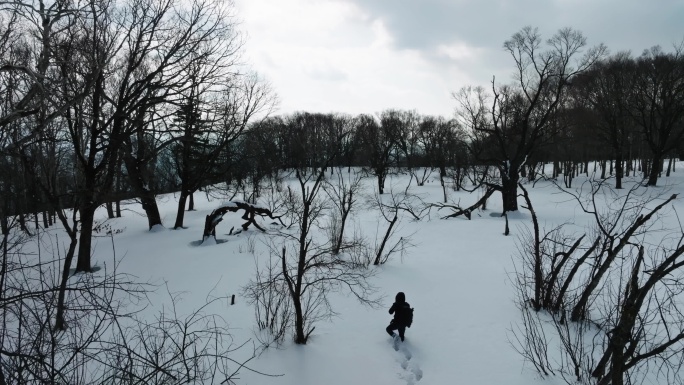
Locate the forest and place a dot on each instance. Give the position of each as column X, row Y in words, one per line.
column 105, row 102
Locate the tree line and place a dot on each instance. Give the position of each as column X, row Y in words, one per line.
column 108, row 101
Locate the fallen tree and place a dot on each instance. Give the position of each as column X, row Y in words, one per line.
column 467, row 212
column 251, row 212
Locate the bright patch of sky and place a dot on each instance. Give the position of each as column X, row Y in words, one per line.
column 364, row 56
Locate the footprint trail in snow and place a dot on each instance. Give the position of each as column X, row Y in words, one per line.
column 412, row 371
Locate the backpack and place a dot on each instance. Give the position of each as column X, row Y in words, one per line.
column 406, row 315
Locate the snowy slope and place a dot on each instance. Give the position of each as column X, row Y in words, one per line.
column 456, row 278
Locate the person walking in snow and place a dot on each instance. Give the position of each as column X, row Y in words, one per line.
column 403, row 316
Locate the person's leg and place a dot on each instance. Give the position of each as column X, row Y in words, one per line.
column 402, row 329
column 391, row 328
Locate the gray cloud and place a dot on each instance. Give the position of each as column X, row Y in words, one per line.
column 622, row 25
column 323, row 55
column 327, row 74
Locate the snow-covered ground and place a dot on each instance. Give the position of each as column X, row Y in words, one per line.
column 456, row 277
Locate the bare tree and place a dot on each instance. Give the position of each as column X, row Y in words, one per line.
column 619, row 290
column 29, row 82
column 344, row 194
column 378, row 141
column 154, row 73
column 512, row 122
column 251, row 212
column 107, row 340
column 309, row 268
column 207, row 131
column 43, row 166
column 657, row 105
column 258, row 155
column 444, row 144
column 391, row 208
column 196, row 348
column 408, row 142
column 467, row 212
column 607, row 88
column 271, row 300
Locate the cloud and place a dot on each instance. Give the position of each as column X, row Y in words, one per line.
column 457, row 51
column 332, row 56
column 327, row 72
column 368, row 55
column 624, row 24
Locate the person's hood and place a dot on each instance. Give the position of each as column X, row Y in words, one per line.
column 400, row 297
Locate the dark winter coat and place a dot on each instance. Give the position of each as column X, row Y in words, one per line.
column 400, row 303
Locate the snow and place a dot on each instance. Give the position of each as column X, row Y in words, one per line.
column 456, row 277
column 157, row 229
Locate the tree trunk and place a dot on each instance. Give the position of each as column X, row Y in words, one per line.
column 459, row 177
column 532, row 172
column 442, row 174
column 579, row 311
column 509, row 192
column 110, row 210
column 384, row 240
column 300, row 336
column 343, row 222
column 191, row 204
column 556, row 171
column 628, row 167
column 538, row 275
column 618, row 170
column 603, row 169
column 22, row 224
column 569, row 278
column 622, row 333
column 656, row 163
column 610, row 172
column 119, row 182
column 643, row 167
column 87, row 213
column 180, row 213
column 381, row 183
column 661, row 167
column 60, row 323
column 147, row 197
column 149, row 204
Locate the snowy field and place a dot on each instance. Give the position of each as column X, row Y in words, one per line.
column 457, row 277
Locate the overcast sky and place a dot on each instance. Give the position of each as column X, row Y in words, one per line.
column 364, row 56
